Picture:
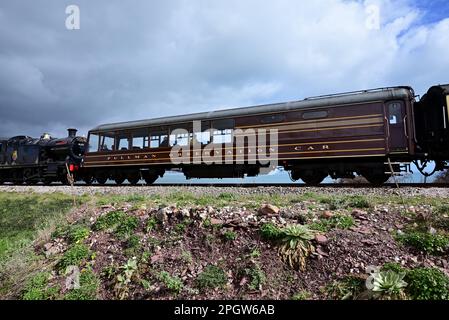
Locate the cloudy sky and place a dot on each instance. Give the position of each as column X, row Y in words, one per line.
column 142, row 59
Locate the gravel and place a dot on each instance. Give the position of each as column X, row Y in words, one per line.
column 208, row 190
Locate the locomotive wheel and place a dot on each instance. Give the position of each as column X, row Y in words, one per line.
column 134, row 181
column 314, row 178
column 151, row 179
column 48, row 182
column 101, row 180
column 119, row 180
column 88, row 180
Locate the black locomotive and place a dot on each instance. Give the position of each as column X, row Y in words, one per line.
column 29, row 160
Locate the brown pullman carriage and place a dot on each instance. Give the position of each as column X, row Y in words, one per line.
column 336, row 135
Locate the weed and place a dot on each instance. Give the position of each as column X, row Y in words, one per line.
column 296, row 245
column 78, row 233
column 229, row 235
column 172, row 283
column 348, row 288
column 359, row 202
column 108, row 220
column 37, row 288
column 389, row 285
column 270, row 231
column 427, row 284
column 89, row 284
column 257, row 277
column 124, row 279
column 74, row 256
column 126, row 226
column 211, row 278
column 301, row 296
column 425, row 241
column 335, row 222
column 186, row 256
column 151, row 224
column 255, row 254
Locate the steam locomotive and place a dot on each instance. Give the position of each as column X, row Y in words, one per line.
column 28, row 160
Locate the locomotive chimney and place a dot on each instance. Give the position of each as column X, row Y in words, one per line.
column 72, row 132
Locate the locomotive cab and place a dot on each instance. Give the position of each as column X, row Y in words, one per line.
column 432, row 123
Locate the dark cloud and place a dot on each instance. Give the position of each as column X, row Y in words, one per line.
column 142, row 59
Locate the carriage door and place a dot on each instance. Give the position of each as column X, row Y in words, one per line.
column 398, row 135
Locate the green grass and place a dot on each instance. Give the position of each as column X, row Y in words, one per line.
column 89, row 284
column 211, row 278
column 172, row 283
column 335, row 222
column 22, row 216
column 74, row 256
column 38, row 288
column 425, row 241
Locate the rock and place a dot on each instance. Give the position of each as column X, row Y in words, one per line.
column 327, row 214
column 400, row 233
column 321, row 252
column 320, row 239
column 433, row 231
column 216, row 222
column 358, row 213
column 162, row 215
column 203, row 215
column 210, row 210
column 268, row 209
column 185, row 213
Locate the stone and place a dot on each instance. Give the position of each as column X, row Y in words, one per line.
column 216, row 222
column 327, row 214
column 162, row 215
column 268, row 209
column 320, row 239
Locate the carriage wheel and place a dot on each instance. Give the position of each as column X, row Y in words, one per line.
column 151, row 179
column 119, row 180
column 101, row 179
column 314, row 178
column 376, row 179
column 88, row 180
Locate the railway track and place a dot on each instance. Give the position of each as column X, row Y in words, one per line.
column 259, row 185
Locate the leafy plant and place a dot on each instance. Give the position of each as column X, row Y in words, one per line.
column 88, row 289
column 108, row 220
column 257, row 277
column 126, row 226
column 348, row 288
column 174, row 284
column 212, row 277
column 151, row 224
column 296, row 245
column 393, row 266
column 359, row 202
column 335, row 222
column 270, row 231
column 38, row 288
column 389, row 284
column 124, row 279
column 428, row 284
column 301, row 296
column 78, row 233
column 74, row 256
column 229, row 235
column 430, row 243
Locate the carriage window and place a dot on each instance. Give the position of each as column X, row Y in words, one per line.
column 203, row 137
column 273, row 119
column 179, row 139
column 395, row 113
column 158, row 140
column 93, row 142
column 222, row 136
column 107, row 143
column 123, row 143
column 315, row 115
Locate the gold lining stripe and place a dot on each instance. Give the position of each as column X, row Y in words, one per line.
column 311, row 121
column 324, row 129
column 228, row 148
column 330, row 124
column 246, row 158
column 279, row 160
